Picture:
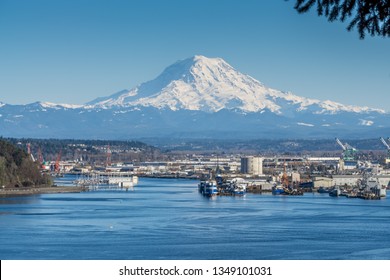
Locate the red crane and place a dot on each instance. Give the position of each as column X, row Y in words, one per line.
column 29, row 151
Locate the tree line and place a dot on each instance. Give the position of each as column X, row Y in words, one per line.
column 88, row 151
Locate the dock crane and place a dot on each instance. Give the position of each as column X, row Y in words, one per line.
column 29, row 152
column 57, row 167
column 40, row 156
column 108, row 156
column 388, row 149
column 348, row 151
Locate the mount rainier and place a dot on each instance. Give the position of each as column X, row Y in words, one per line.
column 198, row 97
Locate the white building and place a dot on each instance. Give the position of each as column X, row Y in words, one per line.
column 324, row 182
column 252, row 165
column 348, row 164
column 384, row 180
column 346, row 180
column 352, row 180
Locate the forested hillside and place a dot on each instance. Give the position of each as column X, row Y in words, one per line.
column 92, row 151
column 17, row 169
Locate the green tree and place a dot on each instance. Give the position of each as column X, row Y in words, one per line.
column 17, row 168
column 3, row 173
column 368, row 16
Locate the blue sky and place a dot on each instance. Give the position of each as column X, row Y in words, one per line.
column 72, row 51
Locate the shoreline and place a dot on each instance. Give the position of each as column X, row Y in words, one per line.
column 39, row 190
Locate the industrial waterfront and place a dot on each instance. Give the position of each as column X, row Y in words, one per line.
column 169, row 219
column 351, row 173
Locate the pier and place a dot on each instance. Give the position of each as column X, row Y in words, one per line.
column 108, row 181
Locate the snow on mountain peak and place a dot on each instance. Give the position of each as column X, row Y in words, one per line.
column 59, row 106
column 210, row 85
column 197, row 83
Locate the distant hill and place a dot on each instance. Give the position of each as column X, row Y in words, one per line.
column 17, row 169
column 323, row 147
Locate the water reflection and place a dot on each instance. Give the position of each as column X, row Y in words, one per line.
column 30, row 199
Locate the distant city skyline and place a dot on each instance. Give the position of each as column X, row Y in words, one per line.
column 77, row 50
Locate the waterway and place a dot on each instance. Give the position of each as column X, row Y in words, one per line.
column 169, row 219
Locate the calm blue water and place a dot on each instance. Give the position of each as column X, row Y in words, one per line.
column 169, row 219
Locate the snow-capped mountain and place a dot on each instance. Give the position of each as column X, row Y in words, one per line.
column 197, row 97
column 210, row 85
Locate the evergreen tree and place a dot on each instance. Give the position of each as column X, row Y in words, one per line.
column 17, row 168
column 368, row 16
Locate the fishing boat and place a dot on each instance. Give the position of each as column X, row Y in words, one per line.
column 239, row 189
column 278, row 189
column 323, row 190
column 208, row 188
column 238, row 186
column 335, row 192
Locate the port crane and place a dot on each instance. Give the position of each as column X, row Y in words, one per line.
column 29, row 152
column 348, row 151
column 108, row 157
column 388, row 149
column 40, row 156
column 57, row 163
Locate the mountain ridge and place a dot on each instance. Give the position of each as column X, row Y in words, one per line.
column 196, row 97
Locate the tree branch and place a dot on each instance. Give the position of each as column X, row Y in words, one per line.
column 369, row 17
